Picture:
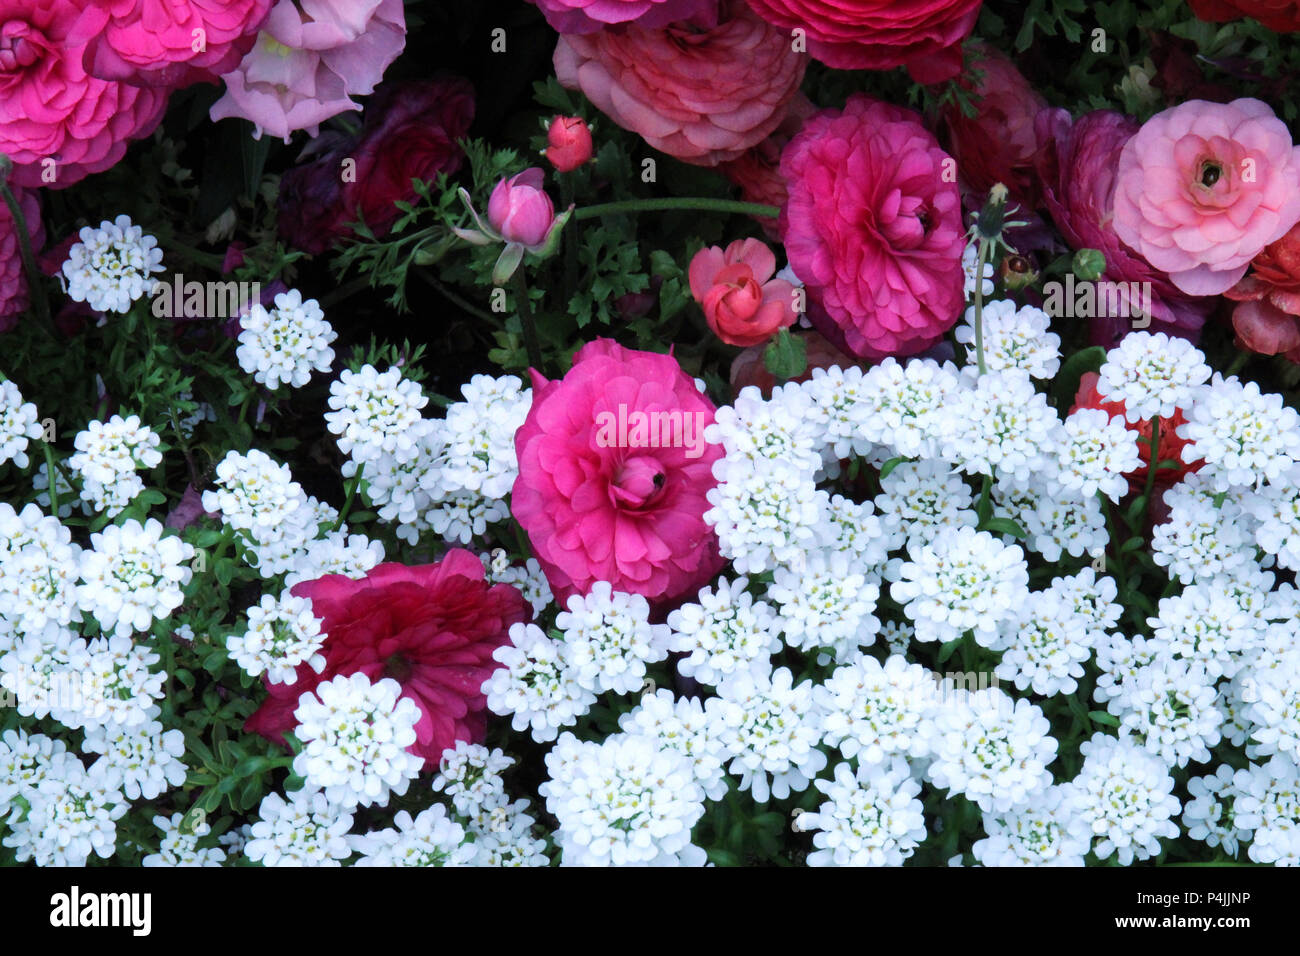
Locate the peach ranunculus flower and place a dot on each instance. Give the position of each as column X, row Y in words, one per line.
column 1203, row 187
column 703, row 94
column 742, row 303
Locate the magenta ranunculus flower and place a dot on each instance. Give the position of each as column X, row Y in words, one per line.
column 1203, row 187
column 704, row 94
column 308, row 63
column 1076, row 164
column 588, row 16
column 13, row 281
column 432, row 628
column 613, row 474
column 170, row 44
column 923, row 35
column 57, row 123
column 873, row 227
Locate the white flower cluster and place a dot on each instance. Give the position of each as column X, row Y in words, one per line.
column 18, row 424
column 107, row 458
column 280, row 526
column 284, row 345
column 112, row 266
column 450, row 475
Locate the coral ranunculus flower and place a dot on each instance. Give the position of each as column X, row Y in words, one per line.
column 57, row 123
column 742, row 303
column 1076, row 163
column 431, row 628
column 1168, row 448
column 1280, row 16
column 873, row 227
column 169, row 44
column 923, row 35
column 1203, row 187
column 613, row 474
column 703, row 95
column 1268, row 318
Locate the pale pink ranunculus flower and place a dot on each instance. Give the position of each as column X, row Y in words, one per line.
column 171, row 44
column 742, row 303
column 704, row 94
column 608, row 488
column 58, row 124
column 1203, row 187
column 308, row 64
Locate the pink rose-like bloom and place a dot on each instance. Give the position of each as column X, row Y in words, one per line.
column 703, row 95
column 520, row 210
column 432, row 628
column 308, row 64
column 625, row 508
column 1203, row 187
column 51, row 109
column 13, row 281
column 923, row 35
column 147, row 43
column 568, row 143
column 742, row 303
column 874, row 229
column 1076, row 164
column 588, row 16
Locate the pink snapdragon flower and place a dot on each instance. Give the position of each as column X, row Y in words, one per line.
column 606, row 495
column 1203, row 187
column 308, row 64
column 171, row 44
column 742, row 303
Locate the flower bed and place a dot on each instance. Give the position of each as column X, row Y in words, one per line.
column 649, row 432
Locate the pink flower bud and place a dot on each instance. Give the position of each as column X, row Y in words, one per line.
column 568, row 143
column 520, row 210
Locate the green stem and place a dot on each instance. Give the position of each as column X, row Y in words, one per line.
column 353, row 485
column 1120, row 573
column 526, row 320
column 663, row 205
column 36, row 291
column 981, row 258
column 1151, row 469
column 51, row 472
column 1237, row 364
column 453, row 297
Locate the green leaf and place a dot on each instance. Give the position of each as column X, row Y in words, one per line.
column 785, row 356
column 888, row 467
column 1102, row 717
column 1072, row 372
column 948, row 649
column 1005, row 526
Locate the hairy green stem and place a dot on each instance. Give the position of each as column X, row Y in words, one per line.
column 671, row 203
column 526, row 320
column 981, row 258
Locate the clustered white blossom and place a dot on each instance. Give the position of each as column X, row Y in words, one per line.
column 285, row 344
column 18, row 424
column 108, row 456
column 112, row 266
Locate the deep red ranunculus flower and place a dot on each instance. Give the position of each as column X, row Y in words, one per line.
column 431, row 628
column 1280, row 16
column 410, row 132
column 923, row 35
column 1268, row 319
column 998, row 143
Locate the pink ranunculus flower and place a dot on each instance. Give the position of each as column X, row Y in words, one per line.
column 873, row 227
column 170, row 44
column 13, row 280
column 568, row 143
column 1076, row 164
column 923, row 35
column 57, row 123
column 588, row 16
column 1203, row 187
column 701, row 94
column 520, row 210
column 613, row 474
column 742, row 303
column 308, row 64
